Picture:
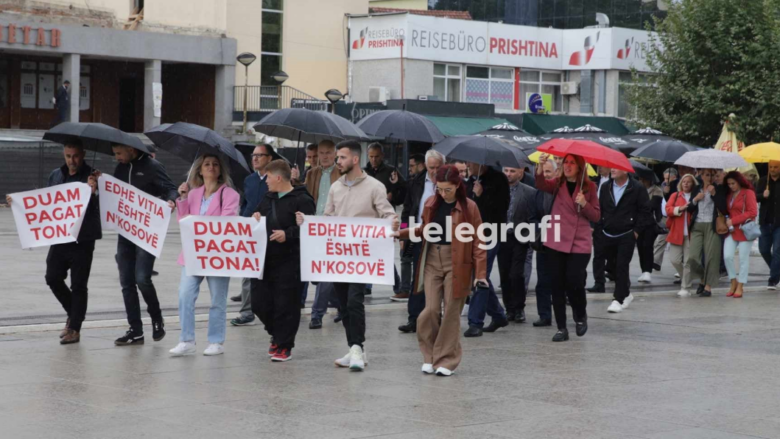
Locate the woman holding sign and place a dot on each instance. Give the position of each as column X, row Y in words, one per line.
column 448, row 265
column 207, row 192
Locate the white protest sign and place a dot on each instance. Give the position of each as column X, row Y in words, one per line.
column 50, row 216
column 223, row 246
column 351, row 250
column 137, row 216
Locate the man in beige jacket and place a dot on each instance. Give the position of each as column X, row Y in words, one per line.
column 355, row 194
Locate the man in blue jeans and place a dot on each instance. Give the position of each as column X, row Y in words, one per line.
column 768, row 194
column 139, row 169
column 489, row 188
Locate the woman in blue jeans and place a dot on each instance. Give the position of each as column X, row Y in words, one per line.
column 742, row 207
column 207, row 192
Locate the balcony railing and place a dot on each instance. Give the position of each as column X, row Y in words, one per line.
column 274, row 97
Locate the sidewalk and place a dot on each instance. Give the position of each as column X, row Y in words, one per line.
column 665, row 368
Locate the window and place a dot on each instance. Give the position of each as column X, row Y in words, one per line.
column 625, row 82
column 490, row 86
column 40, row 82
column 271, row 44
column 446, row 82
column 547, row 84
column 3, row 83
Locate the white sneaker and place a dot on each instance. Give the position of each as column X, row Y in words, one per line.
column 684, row 293
column 344, row 361
column 427, row 368
column 615, row 306
column 356, row 362
column 443, row 372
column 676, row 275
column 214, row 349
column 183, row 348
column 645, row 277
column 627, row 301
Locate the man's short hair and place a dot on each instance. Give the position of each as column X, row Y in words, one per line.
column 311, row 147
column 375, row 145
column 326, row 143
column 75, row 143
column 66, row 82
column 671, row 171
column 435, row 154
column 354, row 147
column 280, row 167
column 418, row 159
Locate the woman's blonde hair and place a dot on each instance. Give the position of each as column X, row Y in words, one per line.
column 196, row 179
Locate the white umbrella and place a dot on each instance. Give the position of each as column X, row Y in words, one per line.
column 711, row 159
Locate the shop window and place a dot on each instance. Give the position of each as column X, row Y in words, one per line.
column 625, row 82
column 547, row 84
column 3, row 84
column 41, row 81
column 490, row 86
column 271, row 43
column 446, row 82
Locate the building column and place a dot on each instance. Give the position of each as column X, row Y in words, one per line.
column 152, row 75
column 224, row 83
column 586, row 92
column 71, row 71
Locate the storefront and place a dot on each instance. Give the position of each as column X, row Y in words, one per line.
column 516, row 68
column 127, row 79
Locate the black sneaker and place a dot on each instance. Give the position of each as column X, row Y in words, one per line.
column 158, row 330
column 410, row 326
column 700, row 290
column 561, row 335
column 315, row 324
column 130, row 338
column 597, row 288
column 656, row 267
column 337, row 319
column 473, row 331
column 495, row 325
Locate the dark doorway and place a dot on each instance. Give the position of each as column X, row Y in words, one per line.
column 127, row 105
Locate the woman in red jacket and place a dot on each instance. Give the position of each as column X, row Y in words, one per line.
column 742, row 206
column 575, row 206
column 679, row 210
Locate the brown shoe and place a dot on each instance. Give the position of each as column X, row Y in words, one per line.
column 65, row 330
column 739, row 291
column 400, row 297
column 71, row 337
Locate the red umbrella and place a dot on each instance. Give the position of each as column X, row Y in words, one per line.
column 592, row 152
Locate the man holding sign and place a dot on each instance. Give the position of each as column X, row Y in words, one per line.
column 276, row 297
column 140, row 170
column 355, row 194
column 74, row 256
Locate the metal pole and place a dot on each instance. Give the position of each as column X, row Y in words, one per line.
column 246, row 88
column 279, row 95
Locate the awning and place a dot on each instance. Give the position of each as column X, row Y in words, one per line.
column 457, row 126
column 539, row 124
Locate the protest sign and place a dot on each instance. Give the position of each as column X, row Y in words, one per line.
column 137, row 216
column 223, row 246
column 50, row 216
column 351, row 250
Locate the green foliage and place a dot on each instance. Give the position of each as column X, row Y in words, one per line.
column 718, row 57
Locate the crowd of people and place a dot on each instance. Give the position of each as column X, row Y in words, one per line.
column 703, row 217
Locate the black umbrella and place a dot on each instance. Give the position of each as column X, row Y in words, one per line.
column 302, row 124
column 664, row 150
column 187, row 141
column 594, row 134
column 483, row 150
column 644, row 137
column 514, row 136
column 401, row 125
column 643, row 171
column 94, row 137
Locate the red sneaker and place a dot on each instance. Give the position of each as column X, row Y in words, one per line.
column 272, row 350
column 282, row 354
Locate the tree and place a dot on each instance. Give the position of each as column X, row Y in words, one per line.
column 713, row 58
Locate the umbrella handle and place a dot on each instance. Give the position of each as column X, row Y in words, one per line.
column 582, row 183
column 197, row 154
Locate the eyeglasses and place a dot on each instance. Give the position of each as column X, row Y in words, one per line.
column 257, row 156
column 445, row 190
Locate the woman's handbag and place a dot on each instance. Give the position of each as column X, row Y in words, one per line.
column 751, row 229
column 720, row 225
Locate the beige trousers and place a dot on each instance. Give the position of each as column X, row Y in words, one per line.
column 679, row 258
column 439, row 337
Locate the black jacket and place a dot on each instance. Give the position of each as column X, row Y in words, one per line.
column 768, row 204
column 91, row 229
column 148, row 175
column 631, row 212
column 279, row 214
column 414, row 192
column 383, row 174
column 526, row 195
column 494, row 201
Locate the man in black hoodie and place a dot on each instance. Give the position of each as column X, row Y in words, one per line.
column 136, row 264
column 75, row 257
column 276, row 297
column 624, row 214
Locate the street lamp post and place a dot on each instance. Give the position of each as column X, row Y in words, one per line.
column 333, row 96
column 280, row 77
column 246, row 59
